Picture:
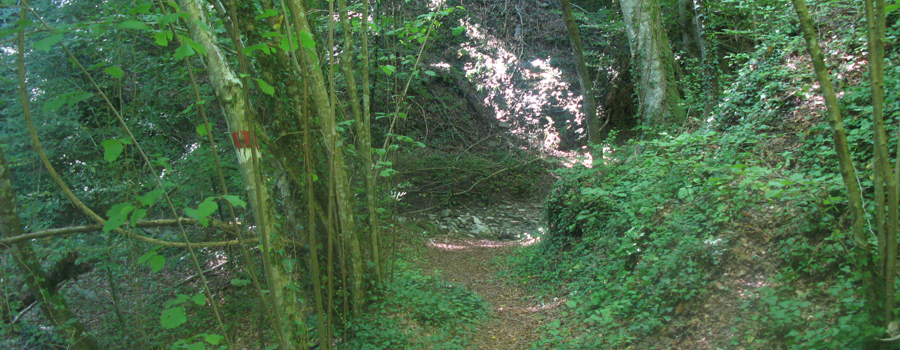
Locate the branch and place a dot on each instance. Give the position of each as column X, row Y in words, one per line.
column 65, row 231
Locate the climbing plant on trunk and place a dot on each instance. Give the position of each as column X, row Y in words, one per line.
column 654, row 63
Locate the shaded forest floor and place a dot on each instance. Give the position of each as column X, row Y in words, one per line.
column 516, row 316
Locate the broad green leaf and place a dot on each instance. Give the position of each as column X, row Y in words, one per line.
column 265, row 87
column 458, row 30
column 98, row 65
column 199, row 299
column 891, row 8
column 183, row 51
column 172, row 318
column 54, row 104
column 46, row 43
column 431, row 73
column 388, row 69
column 179, row 299
column 141, row 9
column 78, row 97
column 138, row 215
column 258, row 47
column 146, row 256
column 196, row 346
column 208, row 206
column 151, row 197
column 117, row 216
column 235, row 201
column 114, row 71
column 195, row 46
column 162, row 38
column 266, row 14
column 571, row 303
column 201, row 130
column 157, row 262
column 203, row 211
column 132, row 24
column 169, row 18
column 112, row 149
column 213, row 339
column 307, row 40
column 202, row 24
column 173, row 5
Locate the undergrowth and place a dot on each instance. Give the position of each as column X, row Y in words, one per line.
column 418, row 312
column 741, row 222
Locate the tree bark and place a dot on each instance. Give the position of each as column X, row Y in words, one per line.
column 841, row 146
column 657, row 92
column 229, row 91
column 589, row 103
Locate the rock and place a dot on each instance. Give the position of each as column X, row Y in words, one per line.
column 476, row 220
column 445, row 213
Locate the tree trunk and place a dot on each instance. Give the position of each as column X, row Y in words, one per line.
column 229, row 91
column 657, row 92
column 589, row 103
column 318, row 89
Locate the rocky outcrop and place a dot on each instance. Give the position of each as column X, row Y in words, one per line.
column 502, row 222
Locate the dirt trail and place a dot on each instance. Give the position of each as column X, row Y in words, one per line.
column 516, row 316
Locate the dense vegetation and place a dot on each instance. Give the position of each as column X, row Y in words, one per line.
column 700, row 203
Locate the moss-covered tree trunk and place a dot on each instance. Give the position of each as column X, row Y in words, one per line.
column 589, row 103
column 654, row 62
column 324, row 110
column 229, row 91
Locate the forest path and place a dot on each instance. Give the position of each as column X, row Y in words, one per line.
column 516, row 316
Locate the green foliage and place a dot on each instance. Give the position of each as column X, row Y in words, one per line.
column 446, row 311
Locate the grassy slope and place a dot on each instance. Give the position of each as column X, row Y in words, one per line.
column 730, row 235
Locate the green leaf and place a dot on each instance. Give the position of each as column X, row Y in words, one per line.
column 151, row 197
column 117, row 216
column 172, row 318
column 78, row 97
column 199, row 299
column 571, row 304
column 179, row 299
column 132, row 24
column 388, row 69
column 114, row 71
column 170, row 18
column 183, row 51
column 201, row 130
column 141, row 9
column 196, row 346
column 203, row 211
column 266, row 88
column 428, row 72
column 46, row 43
column 157, row 262
column 194, row 45
column 112, row 149
column 54, row 104
column 458, row 30
column 266, row 14
column 891, row 8
column 162, row 38
column 307, row 40
column 235, row 201
column 213, row 339
column 146, row 256
column 138, row 215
